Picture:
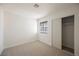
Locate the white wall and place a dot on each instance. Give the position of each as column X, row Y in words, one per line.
column 45, row 37
column 18, row 29
column 57, row 39
column 1, row 31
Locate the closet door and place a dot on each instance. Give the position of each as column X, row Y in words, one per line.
column 57, row 31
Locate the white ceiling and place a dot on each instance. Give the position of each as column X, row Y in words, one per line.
column 27, row 9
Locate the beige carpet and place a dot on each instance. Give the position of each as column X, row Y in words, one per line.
column 35, row 48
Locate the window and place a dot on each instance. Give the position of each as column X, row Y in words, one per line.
column 44, row 27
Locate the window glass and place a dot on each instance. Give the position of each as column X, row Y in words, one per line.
column 44, row 27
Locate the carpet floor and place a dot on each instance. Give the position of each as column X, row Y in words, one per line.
column 35, row 48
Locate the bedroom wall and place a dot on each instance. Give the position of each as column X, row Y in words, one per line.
column 18, row 29
column 56, row 36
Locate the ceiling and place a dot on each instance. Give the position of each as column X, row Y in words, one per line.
column 27, row 9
